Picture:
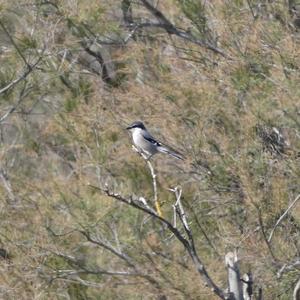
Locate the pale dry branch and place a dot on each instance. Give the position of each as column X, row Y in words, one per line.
column 7, row 186
column 235, row 287
column 282, row 217
column 174, row 216
column 296, row 293
column 289, row 267
column 153, row 175
column 179, row 208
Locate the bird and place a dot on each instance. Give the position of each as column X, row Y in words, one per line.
column 147, row 144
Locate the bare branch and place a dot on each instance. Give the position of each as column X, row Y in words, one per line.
column 172, row 29
column 107, row 247
column 23, row 93
column 282, row 217
column 262, row 228
column 153, row 175
column 179, row 208
column 234, row 282
column 288, row 267
column 251, row 9
column 27, row 70
column 14, row 44
column 98, row 242
column 296, row 293
column 96, row 271
column 188, row 244
column 7, row 185
column 211, row 244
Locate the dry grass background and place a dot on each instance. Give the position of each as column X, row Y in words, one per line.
column 63, row 136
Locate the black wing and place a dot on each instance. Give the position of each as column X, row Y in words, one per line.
column 150, row 139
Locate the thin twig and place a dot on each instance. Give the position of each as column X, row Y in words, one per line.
column 108, row 247
column 96, row 271
column 296, row 293
column 211, row 244
column 27, row 70
column 23, row 93
column 282, row 217
column 15, row 45
column 251, row 9
column 262, row 228
column 7, row 185
column 179, row 208
column 172, row 29
column 288, row 267
column 174, row 216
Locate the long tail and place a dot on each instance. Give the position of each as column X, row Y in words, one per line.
column 177, row 155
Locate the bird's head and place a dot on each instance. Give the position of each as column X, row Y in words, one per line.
column 137, row 124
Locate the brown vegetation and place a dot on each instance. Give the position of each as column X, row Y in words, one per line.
column 217, row 80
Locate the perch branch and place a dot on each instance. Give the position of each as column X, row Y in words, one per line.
column 154, row 183
column 156, row 202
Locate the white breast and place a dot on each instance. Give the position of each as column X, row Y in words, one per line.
column 142, row 144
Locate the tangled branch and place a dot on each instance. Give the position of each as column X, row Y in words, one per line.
column 187, row 241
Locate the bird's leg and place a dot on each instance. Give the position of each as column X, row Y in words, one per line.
column 148, row 158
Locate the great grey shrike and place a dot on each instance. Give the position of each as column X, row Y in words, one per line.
column 146, row 143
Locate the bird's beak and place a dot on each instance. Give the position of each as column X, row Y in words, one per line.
column 129, row 127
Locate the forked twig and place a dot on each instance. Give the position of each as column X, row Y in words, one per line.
column 179, row 208
column 27, row 70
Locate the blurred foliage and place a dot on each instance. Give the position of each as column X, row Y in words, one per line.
column 235, row 118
